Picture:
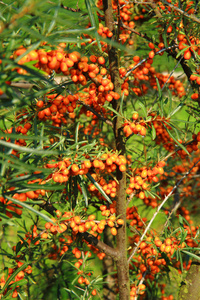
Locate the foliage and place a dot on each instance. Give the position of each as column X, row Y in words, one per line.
column 99, row 160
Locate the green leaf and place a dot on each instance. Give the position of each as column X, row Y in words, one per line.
column 191, row 254
column 113, row 110
column 181, row 261
column 83, row 188
column 72, row 292
column 74, row 31
column 159, row 88
column 46, row 218
column 175, row 110
column 179, row 120
column 141, row 105
column 76, row 135
column 183, row 50
column 148, row 193
column 98, row 187
column 12, row 276
column 181, row 221
column 93, row 19
column 34, row 187
column 177, row 142
column 153, row 132
column 53, row 22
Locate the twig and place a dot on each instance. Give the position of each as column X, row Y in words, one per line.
column 96, row 114
column 100, row 245
column 130, row 198
column 141, row 281
column 176, row 206
column 192, row 17
column 155, row 9
column 92, row 110
column 144, row 36
column 71, row 9
column 145, row 59
column 159, row 208
column 150, row 109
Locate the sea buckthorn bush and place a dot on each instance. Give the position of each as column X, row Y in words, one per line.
column 99, row 160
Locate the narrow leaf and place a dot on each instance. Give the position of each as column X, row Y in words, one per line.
column 159, row 88
column 141, row 105
column 153, row 132
column 12, row 277
column 46, row 218
column 175, row 110
column 98, row 187
column 191, row 254
column 83, row 188
column 175, row 140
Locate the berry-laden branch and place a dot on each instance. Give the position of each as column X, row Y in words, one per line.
column 122, row 264
column 158, row 209
column 185, row 14
column 100, row 117
column 145, row 59
column 100, row 245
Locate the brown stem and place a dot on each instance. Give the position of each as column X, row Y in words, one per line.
column 109, row 271
column 122, row 263
column 91, row 239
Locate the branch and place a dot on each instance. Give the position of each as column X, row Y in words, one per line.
column 144, row 36
column 150, row 109
column 71, row 9
column 145, row 59
column 100, row 245
column 92, row 110
column 155, row 9
column 96, row 114
column 158, row 209
column 182, row 12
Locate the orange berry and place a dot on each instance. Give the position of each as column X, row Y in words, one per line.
column 151, row 45
column 101, row 60
column 162, row 247
column 122, row 168
column 94, row 292
column 120, row 222
column 112, row 218
column 151, row 54
column 77, row 219
column 138, row 127
column 87, row 225
column 40, row 103
column 161, row 163
column 135, row 116
column 187, row 54
column 87, row 164
column 141, row 195
column 81, row 228
column 143, row 131
column 168, row 241
column 78, row 254
column 110, row 223
column 91, row 217
column 136, row 59
column 169, row 29
column 75, row 168
column 168, row 249
column 113, row 231
column 96, row 163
